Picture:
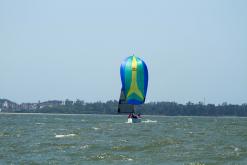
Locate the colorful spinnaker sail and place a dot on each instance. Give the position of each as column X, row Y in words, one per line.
column 134, row 77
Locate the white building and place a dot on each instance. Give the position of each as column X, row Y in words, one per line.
column 5, row 104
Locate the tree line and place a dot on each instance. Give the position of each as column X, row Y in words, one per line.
column 152, row 108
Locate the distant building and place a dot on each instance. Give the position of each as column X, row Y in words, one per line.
column 51, row 103
column 5, row 104
column 28, row 106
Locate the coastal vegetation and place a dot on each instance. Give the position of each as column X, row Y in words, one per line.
column 110, row 107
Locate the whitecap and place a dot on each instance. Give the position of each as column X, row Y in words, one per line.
column 84, row 146
column 126, row 158
column 39, row 123
column 149, row 121
column 61, row 136
column 123, row 140
column 196, row 163
column 95, row 128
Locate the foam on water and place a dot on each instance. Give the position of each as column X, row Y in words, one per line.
column 39, row 123
column 62, row 136
column 149, row 121
column 143, row 121
column 123, row 140
column 195, row 163
column 84, row 146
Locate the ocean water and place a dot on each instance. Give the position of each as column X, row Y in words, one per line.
column 107, row 139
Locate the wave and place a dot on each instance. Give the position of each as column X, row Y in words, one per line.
column 149, row 121
column 144, row 121
column 39, row 123
column 123, row 140
column 110, row 156
column 196, row 163
column 68, row 135
column 84, row 146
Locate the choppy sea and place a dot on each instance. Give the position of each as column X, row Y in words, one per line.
column 108, row 139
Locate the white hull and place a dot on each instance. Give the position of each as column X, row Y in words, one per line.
column 134, row 120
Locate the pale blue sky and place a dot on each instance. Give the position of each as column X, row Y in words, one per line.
column 57, row 49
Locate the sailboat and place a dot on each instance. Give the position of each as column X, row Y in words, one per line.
column 124, row 107
column 134, row 78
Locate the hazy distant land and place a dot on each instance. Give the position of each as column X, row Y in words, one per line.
column 110, row 107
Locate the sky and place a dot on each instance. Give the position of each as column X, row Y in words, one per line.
column 59, row 49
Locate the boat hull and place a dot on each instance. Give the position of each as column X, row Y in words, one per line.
column 134, row 120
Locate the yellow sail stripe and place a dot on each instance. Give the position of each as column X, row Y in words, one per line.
column 134, row 89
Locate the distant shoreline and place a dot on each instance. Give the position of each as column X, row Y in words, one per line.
column 111, row 107
column 74, row 114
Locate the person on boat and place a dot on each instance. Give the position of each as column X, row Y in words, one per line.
column 134, row 116
column 139, row 115
column 130, row 115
